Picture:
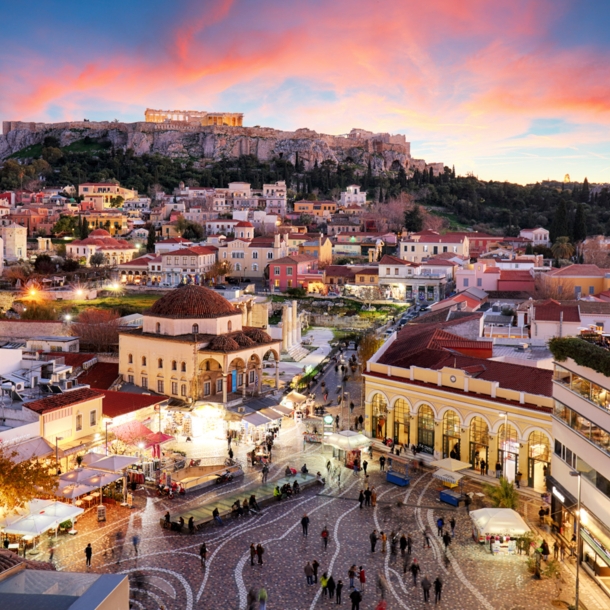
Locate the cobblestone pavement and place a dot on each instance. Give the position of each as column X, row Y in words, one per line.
column 167, row 572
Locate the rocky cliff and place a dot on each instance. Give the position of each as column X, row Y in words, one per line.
column 382, row 150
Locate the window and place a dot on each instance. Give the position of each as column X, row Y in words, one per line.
column 277, row 283
column 160, row 386
column 435, row 250
column 288, row 270
column 455, row 248
column 183, row 367
column 93, row 418
column 158, row 328
column 193, row 261
column 270, row 255
column 174, row 365
column 175, row 388
column 412, row 248
column 237, row 266
column 143, row 360
column 183, row 389
column 145, row 382
column 252, row 374
column 276, row 271
column 176, row 260
column 479, row 282
column 255, row 267
column 206, row 388
column 289, row 284
column 255, row 254
column 591, row 289
column 219, row 385
column 465, row 282
column 160, row 363
column 195, row 329
column 362, row 279
column 577, row 291
column 79, row 422
column 425, row 248
column 184, row 259
column 396, row 271
column 129, row 378
column 224, row 255
column 130, row 359
column 445, row 248
column 387, row 271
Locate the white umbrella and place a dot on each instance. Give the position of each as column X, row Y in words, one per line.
column 347, row 440
column 61, row 511
column 91, row 458
column 74, row 491
column 32, row 525
column 114, row 463
column 450, row 464
column 447, row 477
column 9, row 518
column 500, row 521
column 79, row 475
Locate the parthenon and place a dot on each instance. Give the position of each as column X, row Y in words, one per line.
column 197, row 117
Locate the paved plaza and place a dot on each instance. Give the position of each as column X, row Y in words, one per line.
column 167, row 572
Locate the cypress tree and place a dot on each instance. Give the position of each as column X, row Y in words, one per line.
column 150, row 242
column 580, row 223
column 584, row 193
column 84, row 232
column 560, row 226
column 414, row 220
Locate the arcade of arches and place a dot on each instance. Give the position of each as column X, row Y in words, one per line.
column 483, row 441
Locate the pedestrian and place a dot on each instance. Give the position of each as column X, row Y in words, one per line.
column 409, row 545
column 426, row 585
column 382, row 584
column 555, row 550
column 230, row 453
column 381, row 463
column 361, row 497
column 545, row 550
column 51, row 553
column 360, row 421
column 324, row 535
column 351, row 574
column 384, row 541
column 373, row 538
column 365, row 465
column 440, row 524
column 498, row 470
column 356, row 598
column 518, row 478
column 446, row 540
column 135, row 540
column 367, row 497
column 262, row 599
column 339, row 590
column 452, row 523
column 562, row 550
column 259, row 552
column 373, row 497
column 331, row 586
column 483, row 466
column 308, row 573
column 305, row 524
column 362, row 578
column 216, row 515
column 203, row 553
column 191, row 524
column 467, row 502
column 251, row 599
column 403, row 544
column 88, row 554
column 315, row 565
column 265, row 473
column 393, row 543
column 438, row 587
column 252, row 553
column 415, row 570
column 405, row 563
column 324, row 584
column 426, row 539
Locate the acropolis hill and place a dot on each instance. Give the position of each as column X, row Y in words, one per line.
column 192, row 135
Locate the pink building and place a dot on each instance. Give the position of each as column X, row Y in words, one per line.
column 492, row 278
column 294, row 271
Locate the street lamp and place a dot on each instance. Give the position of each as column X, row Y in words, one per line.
column 505, row 415
column 57, row 438
column 575, row 473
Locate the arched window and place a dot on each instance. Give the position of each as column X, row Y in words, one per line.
column 158, row 328
column 479, row 442
column 380, row 416
column 425, row 428
column 237, row 266
column 130, row 359
column 401, row 422
column 160, row 363
column 174, row 365
column 508, row 451
column 539, row 457
column 143, row 360
column 539, row 446
column 183, row 367
column 195, row 329
column 451, row 435
column 229, row 326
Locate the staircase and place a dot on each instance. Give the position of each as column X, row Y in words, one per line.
column 298, row 352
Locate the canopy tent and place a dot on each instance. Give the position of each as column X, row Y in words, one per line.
column 58, row 510
column 32, row 449
column 104, row 478
column 79, row 475
column 158, row 438
column 91, row 458
column 500, row 521
column 272, row 413
column 74, row 490
column 447, row 477
column 132, row 433
column 282, row 409
column 8, row 519
column 294, row 398
column 32, row 525
column 115, row 463
column 256, row 419
column 347, row 440
column 450, row 464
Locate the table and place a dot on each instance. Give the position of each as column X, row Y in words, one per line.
column 14, row 546
column 88, row 499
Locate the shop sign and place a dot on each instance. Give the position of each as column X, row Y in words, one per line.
column 328, row 419
column 559, row 495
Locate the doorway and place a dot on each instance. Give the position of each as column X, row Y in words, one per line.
column 479, row 442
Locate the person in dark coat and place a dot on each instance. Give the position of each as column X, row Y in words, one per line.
column 88, row 554
column 373, row 538
column 367, row 497
column 403, row 544
column 252, row 553
column 438, row 587
column 415, row 570
column 331, row 587
column 259, row 551
column 426, row 585
column 316, row 566
column 356, row 598
column 382, row 463
column 361, row 498
column 339, row 590
column 452, row 523
column 305, row 524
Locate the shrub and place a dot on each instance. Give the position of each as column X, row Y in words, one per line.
column 582, row 352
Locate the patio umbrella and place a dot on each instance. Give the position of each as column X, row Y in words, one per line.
column 8, row 519
column 347, row 440
column 90, row 458
column 80, row 475
column 450, row 464
column 115, row 463
column 32, row 525
column 74, row 491
column 158, row 438
column 61, row 511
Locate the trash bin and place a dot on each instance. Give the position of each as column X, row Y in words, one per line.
column 101, row 513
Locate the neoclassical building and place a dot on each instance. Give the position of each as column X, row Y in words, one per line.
column 115, row 251
column 194, row 345
column 426, row 386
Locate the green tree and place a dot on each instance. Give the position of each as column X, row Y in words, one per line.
column 117, row 202
column 151, row 239
column 504, row 495
column 84, row 232
column 39, row 311
column 97, row 259
column 562, row 248
column 580, row 223
column 65, row 224
column 414, row 219
column 560, row 226
column 584, row 193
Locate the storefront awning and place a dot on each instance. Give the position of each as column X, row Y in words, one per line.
column 446, row 476
column 272, row 413
column 256, row 419
column 283, row 410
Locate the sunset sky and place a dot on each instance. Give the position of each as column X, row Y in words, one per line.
column 508, row 89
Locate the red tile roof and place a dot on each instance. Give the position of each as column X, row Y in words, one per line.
column 120, row 403
column 388, row 259
column 551, row 311
column 339, row 271
column 59, row 401
column 175, row 240
column 579, row 271
column 294, row 258
column 192, row 251
column 516, row 275
column 101, row 375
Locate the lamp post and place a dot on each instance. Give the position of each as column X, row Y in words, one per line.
column 57, row 438
column 575, row 473
column 505, row 415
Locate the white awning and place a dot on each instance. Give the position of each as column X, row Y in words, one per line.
column 347, row 440
column 271, row 413
column 499, row 521
column 450, row 464
column 33, row 448
column 446, row 476
column 256, row 419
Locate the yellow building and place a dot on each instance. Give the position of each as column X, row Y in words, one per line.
column 320, row 248
column 99, row 195
column 428, row 244
column 114, row 222
column 429, row 387
column 315, row 208
column 575, row 281
column 196, row 345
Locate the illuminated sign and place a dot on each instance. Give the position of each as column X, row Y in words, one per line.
column 559, row 495
column 328, row 419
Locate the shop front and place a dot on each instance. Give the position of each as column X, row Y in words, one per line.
column 380, row 416
column 539, row 460
column 508, row 451
column 401, row 422
column 451, row 435
column 425, row 429
column 479, row 442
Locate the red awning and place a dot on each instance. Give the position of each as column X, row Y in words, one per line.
column 132, row 433
column 158, row 438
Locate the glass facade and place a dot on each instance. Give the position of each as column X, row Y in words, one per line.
column 592, row 432
column 589, row 473
column 425, row 428
column 590, row 391
column 451, row 435
column 380, row 416
column 401, row 421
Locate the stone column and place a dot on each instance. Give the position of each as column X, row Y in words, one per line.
column 368, row 418
column 277, row 374
column 413, row 429
column 249, row 313
column 522, row 466
column 465, row 443
column 492, row 453
column 244, row 384
column 289, row 326
column 390, row 429
column 438, row 438
column 295, row 323
column 224, row 387
column 299, row 329
column 259, row 374
column 285, row 327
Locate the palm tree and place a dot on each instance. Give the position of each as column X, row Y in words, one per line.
column 562, row 248
column 503, row 496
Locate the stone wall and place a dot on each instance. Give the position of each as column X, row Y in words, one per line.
column 13, row 330
column 343, row 322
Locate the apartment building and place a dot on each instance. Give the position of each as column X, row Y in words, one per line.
column 428, row 244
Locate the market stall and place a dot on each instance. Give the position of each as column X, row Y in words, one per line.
column 499, row 528
column 349, row 445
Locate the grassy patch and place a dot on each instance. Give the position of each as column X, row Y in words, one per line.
column 34, row 151
column 84, row 146
column 125, row 304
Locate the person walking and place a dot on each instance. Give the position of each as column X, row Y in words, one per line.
column 259, row 552
column 367, row 497
column 426, row 539
column 467, row 502
column 438, row 587
column 373, row 538
column 339, row 590
column 403, row 544
column 203, row 553
column 483, row 466
column 393, row 544
column 308, row 573
column 331, row 586
column 191, row 524
column 135, row 540
column 51, row 553
column 452, row 523
column 446, row 540
column 362, row 578
column 415, row 570
column 356, row 598
column 252, row 554
column 381, row 463
column 360, row 421
column 316, row 566
column 361, row 497
column 384, row 541
column 262, row 599
column 373, row 497
column 230, row 453
column 351, row 573
column 562, row 551
column 265, row 473
column 88, row 555
column 555, row 550
column 426, row 585
column 498, row 470
column 324, row 536
column 365, row 465
column 305, row 524
column 324, row 584
column 518, row 478
column 440, row 524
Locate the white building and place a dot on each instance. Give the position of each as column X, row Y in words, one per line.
column 538, row 236
column 581, row 429
column 188, row 265
column 115, row 251
column 353, row 194
column 15, row 240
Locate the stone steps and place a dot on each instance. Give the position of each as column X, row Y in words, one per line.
column 298, row 352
